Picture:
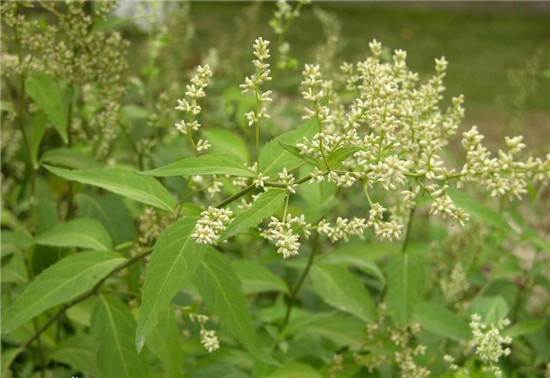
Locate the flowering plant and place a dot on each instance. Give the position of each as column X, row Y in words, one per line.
column 349, row 245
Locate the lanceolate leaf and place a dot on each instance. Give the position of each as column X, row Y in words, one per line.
column 437, row 319
column 113, row 325
column 218, row 284
column 339, row 155
column 274, row 157
column 38, row 128
column 45, row 92
column 226, row 141
column 211, row 164
column 343, row 290
column 256, row 279
column 79, row 352
column 524, row 328
column 68, row 158
column 406, row 284
column 83, row 233
column 61, row 282
column 121, row 181
column 265, row 206
column 173, row 263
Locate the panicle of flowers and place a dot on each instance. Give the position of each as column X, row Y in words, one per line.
column 289, row 180
column 283, row 233
column 282, row 18
column 212, row 223
column 456, row 286
column 342, row 229
column 502, row 176
column 489, row 344
column 190, row 106
column 252, row 83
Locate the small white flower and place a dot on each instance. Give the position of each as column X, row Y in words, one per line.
column 209, row 340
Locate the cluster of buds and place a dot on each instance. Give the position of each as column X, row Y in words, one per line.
column 189, row 105
column 212, row 223
column 284, row 236
column 252, row 83
column 209, row 340
column 488, row 343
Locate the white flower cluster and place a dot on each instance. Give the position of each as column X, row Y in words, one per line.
column 394, row 133
column 209, row 340
column 252, row 83
column 342, row 229
column 456, row 286
column 189, row 105
column 284, row 236
column 488, row 343
column 212, row 223
column 503, row 175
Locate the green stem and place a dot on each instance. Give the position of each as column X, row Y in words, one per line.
column 294, row 292
column 407, row 235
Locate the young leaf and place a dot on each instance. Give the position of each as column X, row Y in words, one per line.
column 218, row 284
column 83, row 233
column 491, row 309
column 406, row 284
column 211, row 164
column 45, row 92
column 273, row 157
column 121, row 181
column 343, row 290
column 265, row 206
column 173, row 263
column 437, row 319
column 296, row 152
column 357, row 258
column 61, row 282
column 524, row 328
column 68, row 158
column 339, row 155
column 223, row 140
column 479, row 210
column 256, row 279
column 79, row 352
column 114, row 325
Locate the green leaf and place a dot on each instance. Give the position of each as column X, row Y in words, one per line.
column 265, row 206
column 273, row 157
column 296, row 152
column 110, row 210
column 343, row 290
column 219, row 285
column 79, row 352
column 406, row 284
column 256, row 279
column 165, row 343
column 38, row 127
column 491, row 309
column 295, row 370
column 340, row 328
column 124, row 182
column 478, row 210
column 45, row 92
column 82, row 232
column 61, row 282
column 113, row 325
column 339, row 155
column 173, row 263
column 8, row 355
column 437, row 319
column 68, row 158
column 226, row 141
column 357, row 258
column 524, row 328
column 211, row 164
